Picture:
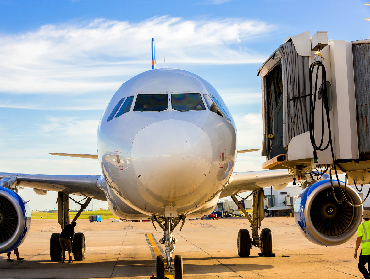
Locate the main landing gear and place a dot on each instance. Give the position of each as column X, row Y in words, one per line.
column 78, row 243
column 262, row 241
column 168, row 224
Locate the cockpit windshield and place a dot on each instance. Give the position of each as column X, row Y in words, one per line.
column 125, row 107
column 214, row 106
column 111, row 116
column 151, row 102
column 186, row 102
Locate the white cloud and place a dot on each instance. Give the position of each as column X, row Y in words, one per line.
column 70, row 127
column 81, row 106
column 249, row 162
column 249, row 130
column 92, row 56
column 249, row 135
column 232, row 97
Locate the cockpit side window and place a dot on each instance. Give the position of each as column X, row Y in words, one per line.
column 213, row 105
column 208, row 101
column 126, row 106
column 151, row 102
column 111, row 116
column 186, row 102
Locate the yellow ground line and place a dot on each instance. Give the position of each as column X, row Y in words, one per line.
column 157, row 252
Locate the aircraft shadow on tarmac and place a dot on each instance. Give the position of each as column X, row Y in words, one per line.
column 222, row 258
column 120, row 268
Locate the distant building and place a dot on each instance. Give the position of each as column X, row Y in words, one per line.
column 281, row 203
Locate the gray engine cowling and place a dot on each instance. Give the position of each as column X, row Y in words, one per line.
column 15, row 220
column 322, row 219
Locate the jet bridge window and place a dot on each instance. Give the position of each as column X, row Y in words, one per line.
column 151, row 102
column 126, row 106
column 186, row 102
column 111, row 116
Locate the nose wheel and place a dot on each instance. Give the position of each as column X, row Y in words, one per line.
column 160, row 267
column 161, row 270
column 178, row 267
column 164, row 265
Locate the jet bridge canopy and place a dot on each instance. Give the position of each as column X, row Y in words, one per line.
column 315, row 105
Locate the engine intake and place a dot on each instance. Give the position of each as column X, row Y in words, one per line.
column 322, row 219
column 15, row 220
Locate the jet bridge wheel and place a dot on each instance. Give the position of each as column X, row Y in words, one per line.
column 244, row 243
column 266, row 242
column 55, row 248
column 178, row 267
column 79, row 246
column 160, row 267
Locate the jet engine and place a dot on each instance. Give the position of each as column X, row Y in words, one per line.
column 15, row 220
column 325, row 219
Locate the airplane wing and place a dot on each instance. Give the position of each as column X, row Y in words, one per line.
column 75, row 155
column 247, row 151
column 84, row 185
column 248, row 181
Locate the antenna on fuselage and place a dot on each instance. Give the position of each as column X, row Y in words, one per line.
column 153, row 54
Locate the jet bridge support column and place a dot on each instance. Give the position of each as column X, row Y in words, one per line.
column 63, row 209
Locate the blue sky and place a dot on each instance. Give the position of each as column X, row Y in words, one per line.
column 61, row 62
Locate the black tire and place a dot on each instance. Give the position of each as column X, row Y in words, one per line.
column 79, row 246
column 178, row 267
column 244, row 243
column 160, row 267
column 55, row 248
column 266, row 242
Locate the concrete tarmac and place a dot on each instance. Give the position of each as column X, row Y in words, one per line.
column 208, row 248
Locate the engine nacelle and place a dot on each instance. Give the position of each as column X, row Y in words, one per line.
column 15, row 220
column 323, row 220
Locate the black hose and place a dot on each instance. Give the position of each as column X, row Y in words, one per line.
column 324, row 107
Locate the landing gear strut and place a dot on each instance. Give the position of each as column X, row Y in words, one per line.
column 168, row 224
column 78, row 244
column 262, row 241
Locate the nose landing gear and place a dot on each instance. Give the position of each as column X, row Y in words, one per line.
column 168, row 224
column 262, row 241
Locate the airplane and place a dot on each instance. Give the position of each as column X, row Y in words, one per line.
column 167, row 150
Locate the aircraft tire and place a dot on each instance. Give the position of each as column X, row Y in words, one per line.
column 178, row 267
column 55, row 248
column 160, row 267
column 244, row 243
column 266, row 241
column 79, row 246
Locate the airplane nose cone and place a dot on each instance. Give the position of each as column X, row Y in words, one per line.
column 171, row 158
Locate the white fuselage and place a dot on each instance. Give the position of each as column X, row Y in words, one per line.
column 165, row 141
